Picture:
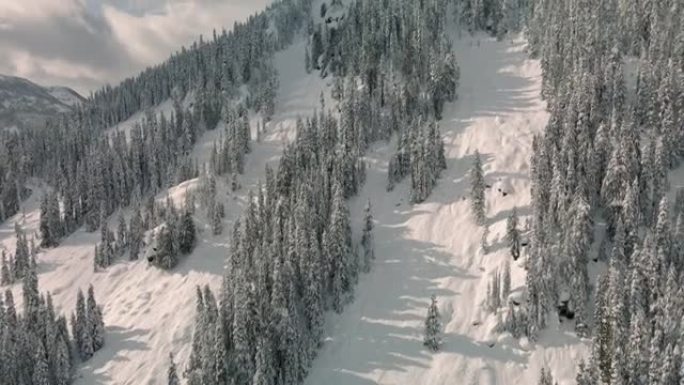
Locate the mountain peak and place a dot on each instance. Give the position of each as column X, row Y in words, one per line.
column 26, row 104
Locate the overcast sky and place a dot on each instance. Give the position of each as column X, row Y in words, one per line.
column 85, row 44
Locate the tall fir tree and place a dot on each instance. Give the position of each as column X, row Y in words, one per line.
column 433, row 327
column 477, row 190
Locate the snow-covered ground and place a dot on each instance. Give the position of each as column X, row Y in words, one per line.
column 434, row 247
column 66, row 95
column 431, row 248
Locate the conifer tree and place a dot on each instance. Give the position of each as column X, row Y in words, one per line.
column 47, row 234
column 41, row 375
column 513, row 234
column 545, row 378
column 187, row 233
column 5, row 275
column 122, row 237
column 341, row 267
column 135, row 234
column 506, row 282
column 367, row 238
column 95, row 321
column 217, row 219
column 80, row 327
column 433, row 326
column 477, row 190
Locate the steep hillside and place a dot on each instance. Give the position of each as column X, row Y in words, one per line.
column 148, row 312
column 383, row 103
column 431, row 248
column 434, row 248
column 23, row 103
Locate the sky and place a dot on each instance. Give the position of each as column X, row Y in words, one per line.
column 85, row 44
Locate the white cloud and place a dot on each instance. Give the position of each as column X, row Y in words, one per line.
column 39, row 10
column 87, row 43
column 151, row 37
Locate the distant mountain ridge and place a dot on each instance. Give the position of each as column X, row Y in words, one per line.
column 24, row 103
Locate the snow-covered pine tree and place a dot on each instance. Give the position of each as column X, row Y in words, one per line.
column 166, row 256
column 31, row 296
column 433, row 326
column 513, row 234
column 47, row 234
column 340, row 263
column 41, row 375
column 506, row 283
column 5, row 271
column 95, row 320
column 367, row 238
column 477, row 191
column 545, row 378
column 187, row 235
column 217, row 219
column 122, row 237
column 135, row 234
column 22, row 258
column 80, row 328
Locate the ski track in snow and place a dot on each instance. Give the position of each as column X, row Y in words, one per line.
column 433, row 247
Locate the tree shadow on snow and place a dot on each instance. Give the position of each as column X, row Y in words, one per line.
column 118, row 342
column 382, row 330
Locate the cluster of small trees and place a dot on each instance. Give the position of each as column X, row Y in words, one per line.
column 94, row 173
column 52, row 227
column 637, row 306
column 292, row 258
column 16, row 266
column 499, row 289
column 420, row 154
column 546, row 378
column 229, row 151
column 14, row 172
column 377, row 41
column 35, row 346
column 214, row 209
column 591, row 161
column 175, row 237
column 498, row 17
column 173, row 234
column 87, row 325
column 407, row 71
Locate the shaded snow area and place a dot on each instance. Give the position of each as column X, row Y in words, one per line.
column 434, row 247
column 148, row 312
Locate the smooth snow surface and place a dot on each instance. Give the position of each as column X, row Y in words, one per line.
column 434, row 247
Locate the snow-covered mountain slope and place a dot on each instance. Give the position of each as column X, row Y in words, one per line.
column 148, row 312
column 434, row 247
column 23, row 103
column 66, row 95
column 431, row 248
